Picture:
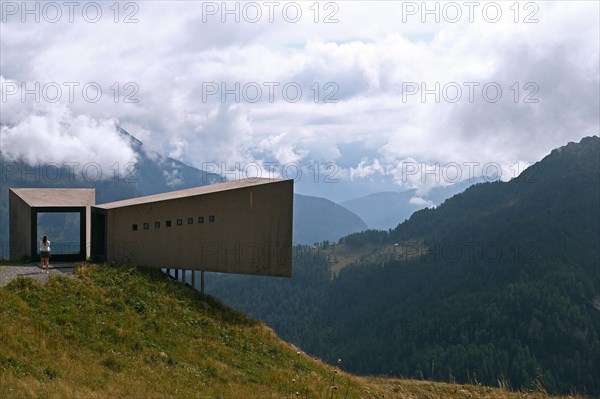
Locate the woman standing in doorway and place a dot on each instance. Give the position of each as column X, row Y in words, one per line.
column 45, row 254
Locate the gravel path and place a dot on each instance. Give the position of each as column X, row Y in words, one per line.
column 7, row 273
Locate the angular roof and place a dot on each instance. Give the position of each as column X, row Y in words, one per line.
column 191, row 192
column 56, row 197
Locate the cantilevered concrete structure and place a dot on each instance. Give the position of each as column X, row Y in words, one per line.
column 26, row 203
column 234, row 227
column 241, row 226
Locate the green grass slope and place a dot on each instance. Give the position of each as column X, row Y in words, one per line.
column 124, row 332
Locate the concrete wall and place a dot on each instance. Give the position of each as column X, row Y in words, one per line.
column 88, row 225
column 20, row 227
column 251, row 232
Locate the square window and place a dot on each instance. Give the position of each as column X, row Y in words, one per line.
column 146, row 226
column 211, row 218
column 134, row 227
column 157, row 225
column 190, row 220
column 179, row 222
column 168, row 223
column 200, row 219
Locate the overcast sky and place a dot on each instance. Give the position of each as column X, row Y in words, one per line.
column 337, row 85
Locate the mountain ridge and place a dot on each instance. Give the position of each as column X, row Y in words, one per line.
column 318, row 219
column 385, row 210
column 503, row 286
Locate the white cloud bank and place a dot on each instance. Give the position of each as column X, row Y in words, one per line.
column 366, row 61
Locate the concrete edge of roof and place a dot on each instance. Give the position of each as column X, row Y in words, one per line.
column 188, row 192
column 24, row 193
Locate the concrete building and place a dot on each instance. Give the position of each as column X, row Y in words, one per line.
column 234, row 227
column 26, row 203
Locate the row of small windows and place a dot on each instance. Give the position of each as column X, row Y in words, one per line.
column 211, row 219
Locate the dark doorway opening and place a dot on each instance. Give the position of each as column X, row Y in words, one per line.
column 98, row 249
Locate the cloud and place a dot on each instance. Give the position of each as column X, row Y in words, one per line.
column 421, row 201
column 365, row 169
column 353, row 76
column 60, row 138
column 173, row 176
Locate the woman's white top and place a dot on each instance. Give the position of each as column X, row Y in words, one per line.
column 45, row 247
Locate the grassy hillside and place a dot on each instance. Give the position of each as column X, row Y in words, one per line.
column 122, row 332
